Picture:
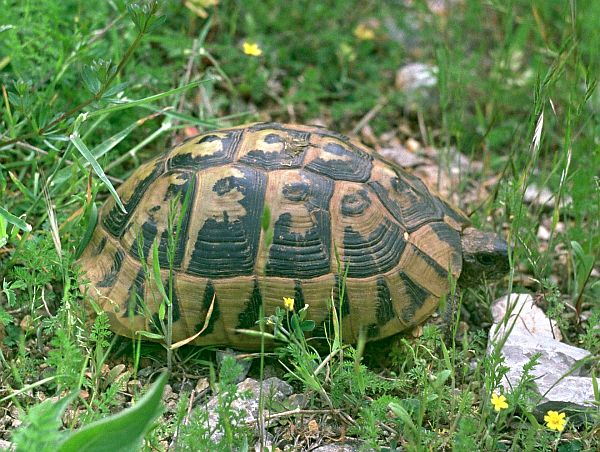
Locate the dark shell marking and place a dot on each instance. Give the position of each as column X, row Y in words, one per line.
column 328, row 196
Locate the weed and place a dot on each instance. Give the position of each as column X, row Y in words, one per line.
column 67, row 359
column 223, row 428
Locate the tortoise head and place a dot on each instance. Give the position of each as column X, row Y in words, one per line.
column 485, row 257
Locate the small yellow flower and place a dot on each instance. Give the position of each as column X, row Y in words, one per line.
column 288, row 303
column 252, row 49
column 555, row 420
column 364, row 33
column 499, row 402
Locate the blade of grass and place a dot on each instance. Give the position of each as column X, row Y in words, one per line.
column 165, row 126
column 187, row 119
column 158, row 279
column 92, row 219
column 83, row 149
column 145, row 100
column 9, row 217
column 110, row 143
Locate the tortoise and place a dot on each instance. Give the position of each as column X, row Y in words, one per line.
column 345, row 225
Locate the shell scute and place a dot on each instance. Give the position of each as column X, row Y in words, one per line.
column 370, row 240
column 405, row 197
column 301, row 246
column 224, row 236
column 338, row 160
column 212, row 149
column 271, row 149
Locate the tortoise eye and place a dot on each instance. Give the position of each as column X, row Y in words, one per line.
column 485, row 259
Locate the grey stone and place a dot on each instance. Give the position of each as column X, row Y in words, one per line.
column 348, row 446
column 402, row 156
column 273, row 390
column 298, row 401
column 543, row 197
column 415, row 77
column 560, row 378
column 527, row 317
column 6, row 445
column 244, row 362
column 543, row 233
column 451, row 158
column 265, row 445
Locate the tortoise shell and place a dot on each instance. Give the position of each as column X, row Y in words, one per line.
column 344, row 222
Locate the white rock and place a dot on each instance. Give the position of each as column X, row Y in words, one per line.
column 245, row 363
column 543, row 197
column 560, row 380
column 543, row 233
column 530, row 319
column 413, row 145
column 416, row 76
column 402, row 156
column 342, row 447
column 273, row 389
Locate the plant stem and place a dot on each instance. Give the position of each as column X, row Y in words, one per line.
column 77, row 108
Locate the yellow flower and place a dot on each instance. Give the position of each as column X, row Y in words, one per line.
column 499, row 402
column 252, row 49
column 555, row 420
column 364, row 33
column 288, row 303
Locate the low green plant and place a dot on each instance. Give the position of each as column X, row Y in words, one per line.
column 224, row 428
column 40, row 430
column 123, row 431
column 68, row 360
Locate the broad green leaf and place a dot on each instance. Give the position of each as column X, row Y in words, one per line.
column 296, row 327
column 40, row 430
column 308, row 325
column 81, row 147
column 121, row 432
column 99, row 151
column 570, row 446
column 269, row 237
column 111, row 142
column 10, row 218
column 114, row 90
column 431, row 397
column 162, row 311
column 22, row 188
column 441, row 378
column 404, row 416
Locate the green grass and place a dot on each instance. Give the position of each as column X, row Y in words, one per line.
column 88, row 93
